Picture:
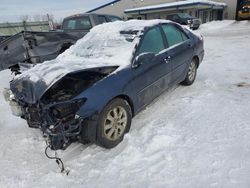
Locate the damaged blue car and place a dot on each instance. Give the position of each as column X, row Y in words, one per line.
column 91, row 92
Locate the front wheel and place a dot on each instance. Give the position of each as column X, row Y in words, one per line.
column 114, row 122
column 191, row 74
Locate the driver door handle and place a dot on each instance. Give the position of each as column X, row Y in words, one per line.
column 167, row 59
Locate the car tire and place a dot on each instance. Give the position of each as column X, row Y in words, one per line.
column 191, row 74
column 114, row 122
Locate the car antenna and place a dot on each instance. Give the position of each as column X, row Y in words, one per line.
column 58, row 161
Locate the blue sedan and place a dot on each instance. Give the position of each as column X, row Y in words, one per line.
column 91, row 92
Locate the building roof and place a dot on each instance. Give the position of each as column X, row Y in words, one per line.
column 176, row 5
column 102, row 6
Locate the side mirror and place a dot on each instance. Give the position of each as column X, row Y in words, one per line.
column 144, row 57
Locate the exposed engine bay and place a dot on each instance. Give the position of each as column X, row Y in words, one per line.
column 55, row 112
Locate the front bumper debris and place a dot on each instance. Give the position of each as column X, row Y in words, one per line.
column 15, row 108
column 59, row 122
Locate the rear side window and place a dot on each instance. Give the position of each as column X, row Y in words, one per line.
column 174, row 35
column 152, row 41
column 80, row 23
column 102, row 19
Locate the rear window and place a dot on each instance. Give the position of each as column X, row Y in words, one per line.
column 81, row 23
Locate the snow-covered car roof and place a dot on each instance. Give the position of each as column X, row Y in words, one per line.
column 104, row 45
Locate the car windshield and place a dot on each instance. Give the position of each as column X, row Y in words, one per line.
column 78, row 23
column 185, row 15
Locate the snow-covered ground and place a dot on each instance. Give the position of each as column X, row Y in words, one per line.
column 196, row 136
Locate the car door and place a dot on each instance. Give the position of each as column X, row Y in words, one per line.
column 152, row 77
column 180, row 51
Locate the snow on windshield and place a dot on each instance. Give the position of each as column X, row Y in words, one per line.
column 105, row 44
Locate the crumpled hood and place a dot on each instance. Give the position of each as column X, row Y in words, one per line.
column 30, row 86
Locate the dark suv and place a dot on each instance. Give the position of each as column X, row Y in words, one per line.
column 185, row 19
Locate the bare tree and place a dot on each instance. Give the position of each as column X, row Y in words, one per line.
column 24, row 18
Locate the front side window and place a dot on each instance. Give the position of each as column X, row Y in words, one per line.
column 80, row 23
column 152, row 42
column 174, row 35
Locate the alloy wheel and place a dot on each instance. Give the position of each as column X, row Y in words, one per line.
column 192, row 71
column 115, row 123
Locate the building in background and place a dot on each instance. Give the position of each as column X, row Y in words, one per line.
column 206, row 10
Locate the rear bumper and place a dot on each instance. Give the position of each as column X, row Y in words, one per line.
column 194, row 26
column 244, row 15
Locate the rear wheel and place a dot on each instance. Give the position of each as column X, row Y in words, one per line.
column 191, row 74
column 114, row 122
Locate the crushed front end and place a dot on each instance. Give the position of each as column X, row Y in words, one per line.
column 58, row 121
column 54, row 109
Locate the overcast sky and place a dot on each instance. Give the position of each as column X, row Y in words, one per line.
column 11, row 10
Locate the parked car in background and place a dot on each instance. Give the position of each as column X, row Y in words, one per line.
column 244, row 12
column 185, row 19
column 29, row 48
column 92, row 91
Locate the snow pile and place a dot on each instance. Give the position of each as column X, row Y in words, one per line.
column 192, row 137
column 104, row 45
column 216, row 25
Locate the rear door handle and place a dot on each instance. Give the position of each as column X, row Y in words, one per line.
column 167, row 59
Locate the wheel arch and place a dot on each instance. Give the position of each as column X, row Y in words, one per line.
column 197, row 60
column 128, row 99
